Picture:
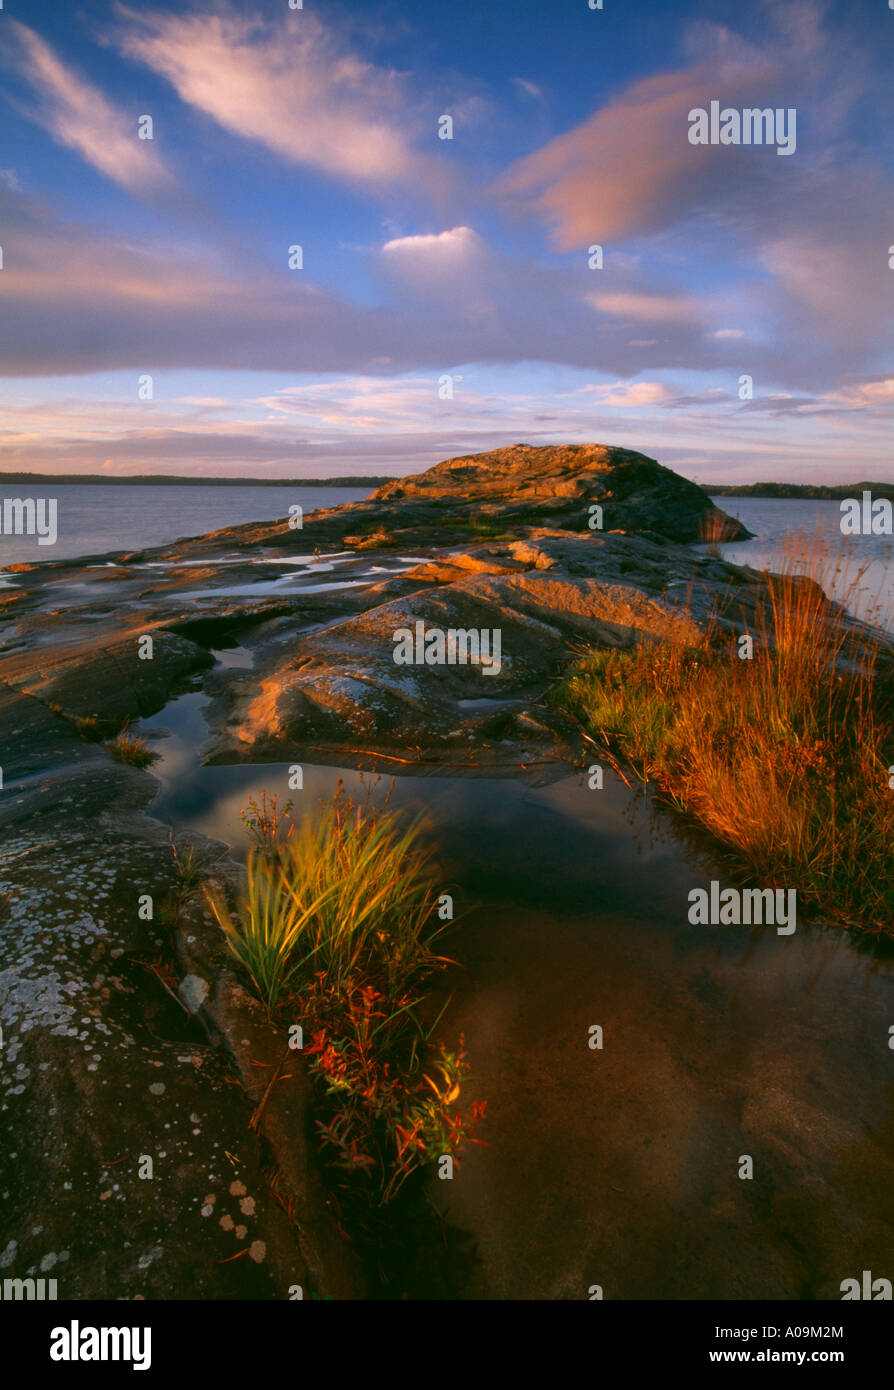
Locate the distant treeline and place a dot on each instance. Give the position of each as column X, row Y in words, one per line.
column 831, row 491
column 178, row 480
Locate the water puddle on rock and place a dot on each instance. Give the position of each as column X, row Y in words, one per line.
column 299, row 574
column 266, row 588
column 234, row 658
column 620, row 1166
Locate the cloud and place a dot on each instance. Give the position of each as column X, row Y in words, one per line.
column 801, row 243
column 638, row 393
column 629, row 170
column 618, row 174
column 80, row 117
column 429, row 259
column 527, row 88
column 77, row 300
column 875, row 391
column 831, row 274
column 360, row 423
column 359, row 416
column 287, row 85
column 654, row 308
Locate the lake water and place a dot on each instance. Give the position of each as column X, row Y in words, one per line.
column 94, row 519
column 863, row 576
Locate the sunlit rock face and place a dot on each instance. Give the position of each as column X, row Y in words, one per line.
column 557, row 485
column 519, row 555
column 545, row 595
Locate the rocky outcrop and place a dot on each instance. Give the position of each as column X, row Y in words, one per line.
column 114, row 682
column 499, row 493
column 343, row 685
column 586, row 546
column 130, row 1166
column 556, row 486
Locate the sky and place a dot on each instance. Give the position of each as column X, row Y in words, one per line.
column 155, row 316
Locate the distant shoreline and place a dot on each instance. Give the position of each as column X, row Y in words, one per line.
column 783, row 491
column 181, row 480
column 832, row 492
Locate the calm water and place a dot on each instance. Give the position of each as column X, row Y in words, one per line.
column 619, row 1166
column 863, row 578
column 99, row 518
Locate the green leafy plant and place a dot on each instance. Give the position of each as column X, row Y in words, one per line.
column 268, row 926
column 387, row 1121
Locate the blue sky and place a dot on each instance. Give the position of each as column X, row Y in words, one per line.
column 426, row 259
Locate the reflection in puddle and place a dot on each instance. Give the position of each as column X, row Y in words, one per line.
column 485, row 704
column 234, row 658
column 619, row 1166
column 285, row 585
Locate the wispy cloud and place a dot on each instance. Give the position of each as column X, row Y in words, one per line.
column 80, row 117
column 84, row 301
column 616, row 175
column 287, row 84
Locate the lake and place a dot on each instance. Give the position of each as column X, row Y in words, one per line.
column 863, row 573
column 95, row 518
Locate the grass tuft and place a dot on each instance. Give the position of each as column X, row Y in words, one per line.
column 784, row 758
column 346, row 891
column 128, row 748
column 187, row 868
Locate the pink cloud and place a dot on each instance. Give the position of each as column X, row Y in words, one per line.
column 614, row 175
column 654, row 308
column 288, row 86
column 77, row 115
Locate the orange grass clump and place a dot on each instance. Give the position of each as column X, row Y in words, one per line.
column 786, row 758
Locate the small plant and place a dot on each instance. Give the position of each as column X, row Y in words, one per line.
column 338, row 921
column 90, row 727
column 371, row 874
column 713, row 530
column 267, row 823
column 187, row 868
column 486, row 528
column 386, row 1121
column 128, row 748
column 327, row 898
